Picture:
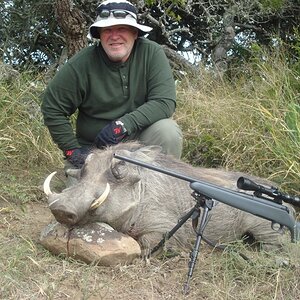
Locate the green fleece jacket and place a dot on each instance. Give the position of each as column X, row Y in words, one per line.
column 139, row 92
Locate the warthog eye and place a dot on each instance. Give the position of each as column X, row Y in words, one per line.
column 119, row 170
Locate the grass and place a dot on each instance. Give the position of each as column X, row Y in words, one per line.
column 23, row 137
column 26, row 149
column 30, row 272
column 250, row 123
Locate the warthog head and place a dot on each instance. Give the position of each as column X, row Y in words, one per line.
column 107, row 188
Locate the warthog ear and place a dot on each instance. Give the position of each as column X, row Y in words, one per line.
column 74, row 173
column 147, row 153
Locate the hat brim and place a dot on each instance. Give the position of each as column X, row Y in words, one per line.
column 93, row 30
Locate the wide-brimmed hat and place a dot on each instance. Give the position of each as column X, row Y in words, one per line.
column 116, row 12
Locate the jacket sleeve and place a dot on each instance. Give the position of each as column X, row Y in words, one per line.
column 160, row 102
column 59, row 101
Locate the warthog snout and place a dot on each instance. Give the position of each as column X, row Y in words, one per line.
column 65, row 217
column 68, row 210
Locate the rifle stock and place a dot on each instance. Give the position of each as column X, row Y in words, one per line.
column 274, row 212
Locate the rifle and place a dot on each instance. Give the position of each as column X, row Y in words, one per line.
column 265, row 202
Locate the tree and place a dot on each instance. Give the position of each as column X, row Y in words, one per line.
column 215, row 32
column 210, row 28
column 72, row 24
column 29, row 33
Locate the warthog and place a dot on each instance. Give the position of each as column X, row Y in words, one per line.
column 146, row 204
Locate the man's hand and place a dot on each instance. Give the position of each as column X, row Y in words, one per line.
column 77, row 156
column 111, row 134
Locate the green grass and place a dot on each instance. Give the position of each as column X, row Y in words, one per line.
column 26, row 149
column 250, row 123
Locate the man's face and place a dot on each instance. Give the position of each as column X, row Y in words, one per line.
column 117, row 41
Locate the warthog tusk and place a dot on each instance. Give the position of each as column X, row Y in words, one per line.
column 101, row 199
column 46, row 184
column 54, row 201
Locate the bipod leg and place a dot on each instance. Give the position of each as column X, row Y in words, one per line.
column 196, row 249
column 169, row 234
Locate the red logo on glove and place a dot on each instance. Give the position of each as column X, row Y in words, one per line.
column 69, row 152
column 117, row 130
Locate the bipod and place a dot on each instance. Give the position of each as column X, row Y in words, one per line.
column 206, row 203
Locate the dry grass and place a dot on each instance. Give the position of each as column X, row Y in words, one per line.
column 251, row 124
column 23, row 137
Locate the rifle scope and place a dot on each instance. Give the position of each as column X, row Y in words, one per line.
column 249, row 185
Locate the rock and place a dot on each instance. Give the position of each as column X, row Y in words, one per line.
column 92, row 243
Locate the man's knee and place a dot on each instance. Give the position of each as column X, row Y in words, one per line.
column 165, row 133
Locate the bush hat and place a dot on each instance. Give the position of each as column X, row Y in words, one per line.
column 116, row 12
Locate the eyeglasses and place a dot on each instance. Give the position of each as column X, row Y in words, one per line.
column 118, row 14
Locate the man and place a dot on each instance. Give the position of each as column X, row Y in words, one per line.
column 122, row 87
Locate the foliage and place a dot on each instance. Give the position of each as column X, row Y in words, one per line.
column 275, row 5
column 30, row 34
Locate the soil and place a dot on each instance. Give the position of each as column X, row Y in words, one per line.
column 161, row 279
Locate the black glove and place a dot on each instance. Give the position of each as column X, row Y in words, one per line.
column 77, row 156
column 111, row 134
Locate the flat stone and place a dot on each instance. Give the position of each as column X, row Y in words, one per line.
column 96, row 243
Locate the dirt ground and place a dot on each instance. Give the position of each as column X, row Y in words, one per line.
column 28, row 271
column 20, row 228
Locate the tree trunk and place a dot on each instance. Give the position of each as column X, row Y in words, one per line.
column 219, row 54
column 72, row 24
column 179, row 64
